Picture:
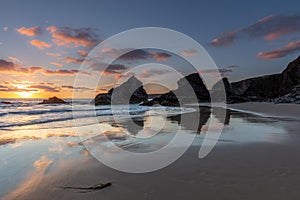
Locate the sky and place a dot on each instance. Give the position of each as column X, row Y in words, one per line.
column 43, row 43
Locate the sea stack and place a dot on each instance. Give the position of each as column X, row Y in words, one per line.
column 53, row 100
column 182, row 93
column 131, row 91
column 282, row 87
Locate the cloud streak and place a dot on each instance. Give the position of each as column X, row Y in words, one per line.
column 188, row 53
column 290, row 48
column 70, row 87
column 214, row 73
column 108, row 69
column 269, row 28
column 14, row 59
column 15, row 87
column 72, row 60
column 56, row 64
column 153, row 72
column 10, row 67
column 135, row 54
column 45, row 88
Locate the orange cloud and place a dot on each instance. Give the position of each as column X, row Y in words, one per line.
column 25, row 86
column 290, row 48
column 32, row 31
column 160, row 56
column 70, row 87
column 57, row 64
column 190, row 52
column 53, row 54
column 10, row 67
column 72, row 60
column 73, row 37
column 40, row 44
column 14, row 59
column 45, row 88
column 63, row 72
column 82, row 53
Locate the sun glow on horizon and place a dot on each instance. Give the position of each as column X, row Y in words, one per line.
column 24, row 94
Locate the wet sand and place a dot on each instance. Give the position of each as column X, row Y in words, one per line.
column 234, row 171
column 269, row 109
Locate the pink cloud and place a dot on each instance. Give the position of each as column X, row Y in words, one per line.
column 269, row 28
column 135, row 54
column 160, row 56
column 281, row 32
column 14, row 59
column 53, row 54
column 215, row 73
column 290, row 48
column 40, row 44
column 63, row 72
column 12, row 68
column 225, row 39
column 72, row 60
column 56, row 64
column 82, row 53
column 73, row 37
column 154, row 72
column 190, row 52
column 32, row 31
column 45, row 88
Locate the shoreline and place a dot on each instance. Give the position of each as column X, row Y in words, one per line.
column 267, row 109
column 263, row 109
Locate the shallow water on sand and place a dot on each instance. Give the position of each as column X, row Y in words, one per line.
column 34, row 138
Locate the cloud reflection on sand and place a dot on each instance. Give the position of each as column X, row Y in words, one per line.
column 16, row 137
column 34, row 178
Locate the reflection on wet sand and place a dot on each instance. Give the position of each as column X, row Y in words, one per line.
column 141, row 126
column 138, row 134
column 12, row 137
column 205, row 114
column 151, row 132
column 33, row 179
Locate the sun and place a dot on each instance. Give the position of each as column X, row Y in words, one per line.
column 24, row 94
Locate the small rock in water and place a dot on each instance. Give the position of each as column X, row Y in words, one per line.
column 53, row 100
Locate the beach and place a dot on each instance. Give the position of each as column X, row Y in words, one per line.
column 255, row 158
column 154, row 100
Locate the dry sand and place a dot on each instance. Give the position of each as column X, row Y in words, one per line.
column 240, row 171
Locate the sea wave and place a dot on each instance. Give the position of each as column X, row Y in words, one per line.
column 50, row 116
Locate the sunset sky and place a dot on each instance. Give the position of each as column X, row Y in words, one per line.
column 42, row 43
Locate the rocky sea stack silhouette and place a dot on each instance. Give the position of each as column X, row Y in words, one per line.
column 131, row 91
column 53, row 100
column 183, row 93
column 278, row 88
